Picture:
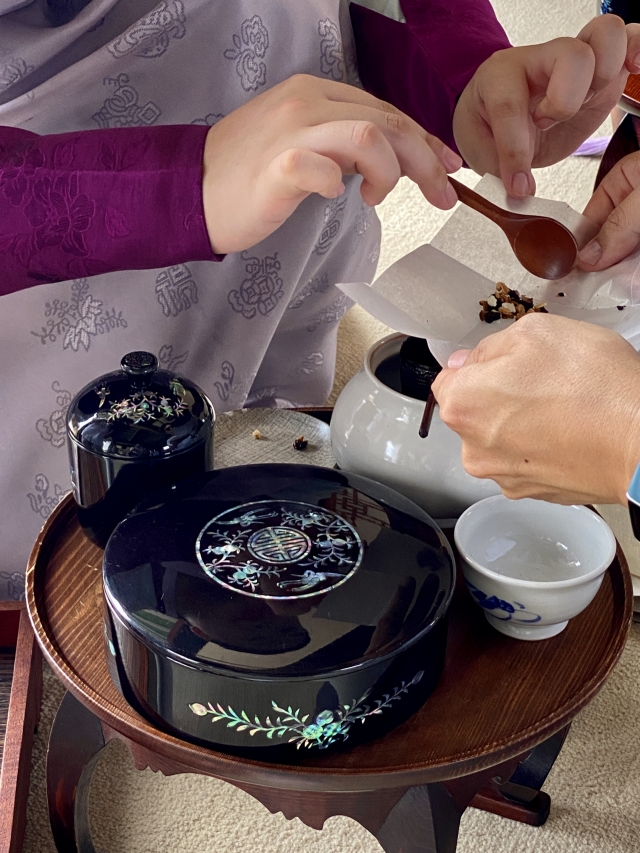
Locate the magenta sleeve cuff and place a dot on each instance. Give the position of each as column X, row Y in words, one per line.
column 79, row 204
column 423, row 66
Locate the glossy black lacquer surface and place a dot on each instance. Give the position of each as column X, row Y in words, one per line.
column 133, row 432
column 272, row 604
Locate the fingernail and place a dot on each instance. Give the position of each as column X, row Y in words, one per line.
column 591, row 253
column 520, row 184
column 545, row 123
column 452, row 161
column 589, row 95
column 458, row 358
column 450, row 195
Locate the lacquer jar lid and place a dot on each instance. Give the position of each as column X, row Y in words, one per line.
column 278, row 571
column 139, row 412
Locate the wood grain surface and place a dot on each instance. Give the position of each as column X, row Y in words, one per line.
column 632, row 89
column 498, row 696
column 7, row 661
column 20, row 697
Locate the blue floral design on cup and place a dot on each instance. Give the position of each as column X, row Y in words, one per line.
column 501, row 609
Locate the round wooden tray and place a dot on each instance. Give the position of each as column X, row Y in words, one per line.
column 498, row 697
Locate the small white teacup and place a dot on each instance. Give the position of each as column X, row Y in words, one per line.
column 532, row 565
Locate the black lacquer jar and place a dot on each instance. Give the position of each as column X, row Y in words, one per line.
column 130, row 433
column 268, row 609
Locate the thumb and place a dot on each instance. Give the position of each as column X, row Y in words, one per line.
column 458, row 358
column 494, row 346
column 618, row 237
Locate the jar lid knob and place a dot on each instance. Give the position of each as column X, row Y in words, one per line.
column 139, row 363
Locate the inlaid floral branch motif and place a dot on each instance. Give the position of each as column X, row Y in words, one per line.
column 144, row 406
column 327, row 727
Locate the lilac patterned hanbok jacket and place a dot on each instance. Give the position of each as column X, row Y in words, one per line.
column 104, row 108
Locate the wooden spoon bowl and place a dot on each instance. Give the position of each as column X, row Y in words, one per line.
column 545, row 247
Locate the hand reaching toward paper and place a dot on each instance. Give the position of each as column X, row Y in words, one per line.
column 615, row 207
column 548, row 408
column 534, row 105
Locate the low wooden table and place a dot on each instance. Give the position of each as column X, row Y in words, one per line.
column 487, row 736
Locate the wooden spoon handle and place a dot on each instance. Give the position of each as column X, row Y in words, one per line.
column 474, row 200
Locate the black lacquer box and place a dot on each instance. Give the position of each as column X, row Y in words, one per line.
column 275, row 608
column 133, row 432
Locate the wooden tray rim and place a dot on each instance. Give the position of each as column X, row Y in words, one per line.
column 289, row 776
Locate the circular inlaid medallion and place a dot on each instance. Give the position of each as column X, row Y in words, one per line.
column 279, row 549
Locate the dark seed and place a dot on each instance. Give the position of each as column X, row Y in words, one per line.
column 300, row 443
column 561, row 294
column 620, row 307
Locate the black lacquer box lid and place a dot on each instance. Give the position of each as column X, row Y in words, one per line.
column 139, row 412
column 278, row 571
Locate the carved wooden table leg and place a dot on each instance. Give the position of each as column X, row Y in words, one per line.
column 421, row 819
column 519, row 797
column 427, row 818
column 75, row 743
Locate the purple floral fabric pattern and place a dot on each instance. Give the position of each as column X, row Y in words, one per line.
column 309, row 365
column 14, row 584
column 151, row 36
column 318, row 284
column 331, row 314
column 263, row 288
column 45, row 497
column 54, row 427
column 331, row 227
column 52, row 229
column 79, row 319
column 209, row 120
column 12, row 69
column 249, row 49
column 225, row 383
column 331, row 56
column 171, row 360
column 123, row 109
column 364, row 219
column 176, row 290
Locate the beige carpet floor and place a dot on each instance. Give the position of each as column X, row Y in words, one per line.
column 595, row 784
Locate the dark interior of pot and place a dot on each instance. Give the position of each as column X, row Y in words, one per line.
column 410, row 371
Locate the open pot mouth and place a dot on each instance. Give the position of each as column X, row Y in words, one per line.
column 376, row 355
column 525, row 583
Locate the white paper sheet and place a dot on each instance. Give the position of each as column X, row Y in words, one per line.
column 434, row 291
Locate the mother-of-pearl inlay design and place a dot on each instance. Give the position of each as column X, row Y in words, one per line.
column 279, row 549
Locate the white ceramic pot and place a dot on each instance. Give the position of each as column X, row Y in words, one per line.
column 532, row 565
column 374, row 432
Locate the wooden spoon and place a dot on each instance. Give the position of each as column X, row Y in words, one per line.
column 544, row 246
